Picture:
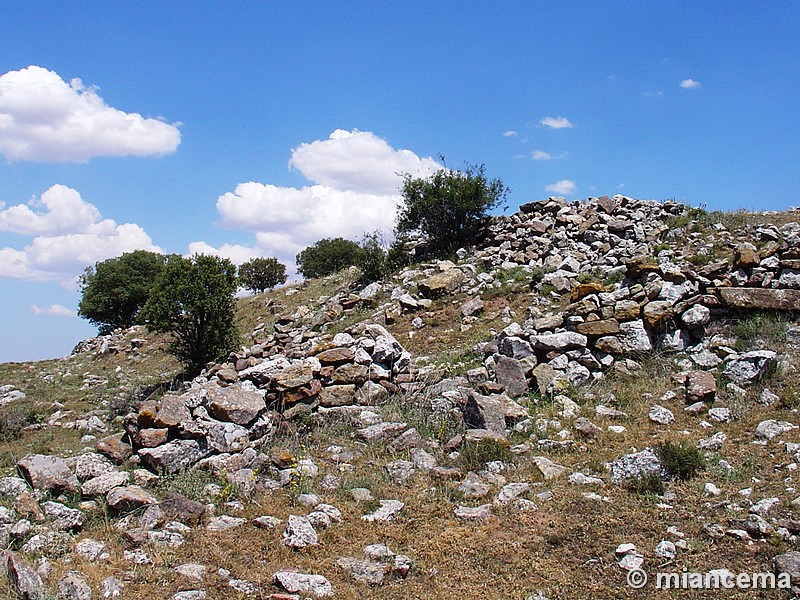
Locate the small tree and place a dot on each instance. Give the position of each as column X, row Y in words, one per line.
column 261, row 274
column 449, row 206
column 193, row 299
column 114, row 290
column 374, row 260
column 328, row 256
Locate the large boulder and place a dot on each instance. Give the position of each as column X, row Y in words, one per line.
column 750, row 367
column 235, row 404
column 48, row 473
column 636, row 465
column 633, row 337
column 484, row 412
column 442, row 283
column 175, row 456
column 509, row 374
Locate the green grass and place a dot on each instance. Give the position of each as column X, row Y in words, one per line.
column 473, row 456
column 681, row 459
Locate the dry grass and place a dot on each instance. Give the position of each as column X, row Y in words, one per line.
column 565, row 549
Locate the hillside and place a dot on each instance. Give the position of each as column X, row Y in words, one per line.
column 597, row 387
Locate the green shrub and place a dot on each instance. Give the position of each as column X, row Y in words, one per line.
column 193, row 299
column 14, row 418
column 650, row 484
column 187, row 483
column 681, row 459
column 374, row 260
column 261, row 274
column 114, row 291
column 473, row 456
column 748, row 327
column 328, row 256
column 449, row 207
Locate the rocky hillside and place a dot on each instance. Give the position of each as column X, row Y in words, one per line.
column 597, row 388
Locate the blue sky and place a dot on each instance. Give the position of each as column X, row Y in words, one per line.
column 256, row 128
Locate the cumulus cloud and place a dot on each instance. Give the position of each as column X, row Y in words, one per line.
column 236, row 253
column 359, row 161
column 64, row 211
column 510, row 133
column 63, row 246
column 541, row 155
column 355, row 190
column 54, row 310
column 690, row 84
column 45, row 119
column 557, row 122
column 564, row 187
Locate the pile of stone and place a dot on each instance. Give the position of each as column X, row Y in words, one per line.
column 238, row 405
column 565, row 239
column 125, row 341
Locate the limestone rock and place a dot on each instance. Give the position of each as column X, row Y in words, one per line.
column 175, row 456
column 387, row 511
column 633, row 466
column 48, row 473
column 299, row 533
column 129, row 498
column 25, row 582
column 510, row 375
column 548, row 468
column 750, row 366
column 304, row 583
column 73, row 586
column 235, row 404
column 484, row 412
column 442, row 283
column 633, row 337
column 659, row 414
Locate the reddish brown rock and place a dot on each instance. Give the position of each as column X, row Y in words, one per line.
column 171, row 413
column 764, row 298
column 584, row 289
column 350, row 373
column 599, row 328
column 302, row 393
column 150, row 438
column 235, row 404
column 701, row 386
column 657, row 313
column 745, row 255
column 335, row 356
column 114, row 448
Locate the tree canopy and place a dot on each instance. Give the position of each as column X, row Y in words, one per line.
column 114, row 290
column 328, row 256
column 449, row 207
column 193, row 299
column 261, row 274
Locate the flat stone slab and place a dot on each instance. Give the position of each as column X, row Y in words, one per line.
column 767, row 298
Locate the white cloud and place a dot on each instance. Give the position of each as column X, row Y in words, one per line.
column 54, row 310
column 236, row 253
column 65, row 211
column 355, row 191
column 541, row 155
column 359, row 161
column 564, row 187
column 690, row 84
column 65, row 246
column 510, row 133
column 45, row 119
column 557, row 122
